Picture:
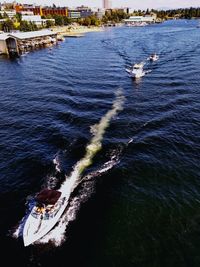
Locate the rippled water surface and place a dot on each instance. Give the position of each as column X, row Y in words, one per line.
column 127, row 152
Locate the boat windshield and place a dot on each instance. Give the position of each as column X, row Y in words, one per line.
column 47, row 212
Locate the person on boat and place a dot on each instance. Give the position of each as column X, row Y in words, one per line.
column 40, row 209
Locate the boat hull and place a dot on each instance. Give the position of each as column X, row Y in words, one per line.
column 136, row 74
column 36, row 228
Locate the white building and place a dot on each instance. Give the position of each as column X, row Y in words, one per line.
column 9, row 13
column 139, row 19
column 100, row 13
column 37, row 19
column 107, row 4
column 27, row 12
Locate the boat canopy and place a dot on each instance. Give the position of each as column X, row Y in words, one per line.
column 48, row 196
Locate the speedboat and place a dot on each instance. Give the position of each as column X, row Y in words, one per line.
column 136, row 73
column 154, row 57
column 138, row 65
column 50, row 205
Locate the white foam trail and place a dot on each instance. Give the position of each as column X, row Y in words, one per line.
column 94, row 146
column 56, row 162
column 57, row 234
column 130, row 141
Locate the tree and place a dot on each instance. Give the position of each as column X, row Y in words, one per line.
column 18, row 17
column 59, row 20
column 49, row 23
column 94, row 20
column 67, row 20
column 7, row 25
column 87, row 21
column 49, row 16
column 26, row 26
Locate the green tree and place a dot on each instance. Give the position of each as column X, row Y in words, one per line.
column 87, row 21
column 67, row 20
column 49, row 23
column 7, row 25
column 18, row 17
column 49, row 16
column 58, row 20
column 26, row 26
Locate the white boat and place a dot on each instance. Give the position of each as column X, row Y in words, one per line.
column 138, row 65
column 136, row 73
column 136, row 24
column 50, row 205
column 154, row 57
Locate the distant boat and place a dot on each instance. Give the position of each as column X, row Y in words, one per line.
column 136, row 72
column 137, row 24
column 153, row 57
column 138, row 65
column 50, row 205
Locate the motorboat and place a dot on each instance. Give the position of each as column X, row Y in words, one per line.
column 138, row 65
column 137, row 24
column 153, row 57
column 48, row 208
column 136, row 73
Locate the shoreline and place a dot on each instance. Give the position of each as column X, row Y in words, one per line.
column 75, row 31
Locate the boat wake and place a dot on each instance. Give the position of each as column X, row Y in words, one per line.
column 56, row 162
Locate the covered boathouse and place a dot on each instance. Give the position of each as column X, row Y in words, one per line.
column 14, row 44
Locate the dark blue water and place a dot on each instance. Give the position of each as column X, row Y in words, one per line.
column 144, row 209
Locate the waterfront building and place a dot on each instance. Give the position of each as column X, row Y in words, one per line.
column 141, row 19
column 80, row 12
column 28, row 13
column 36, row 10
column 100, row 13
column 16, row 43
column 62, row 11
column 74, row 14
column 37, row 20
column 85, row 11
column 42, row 11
